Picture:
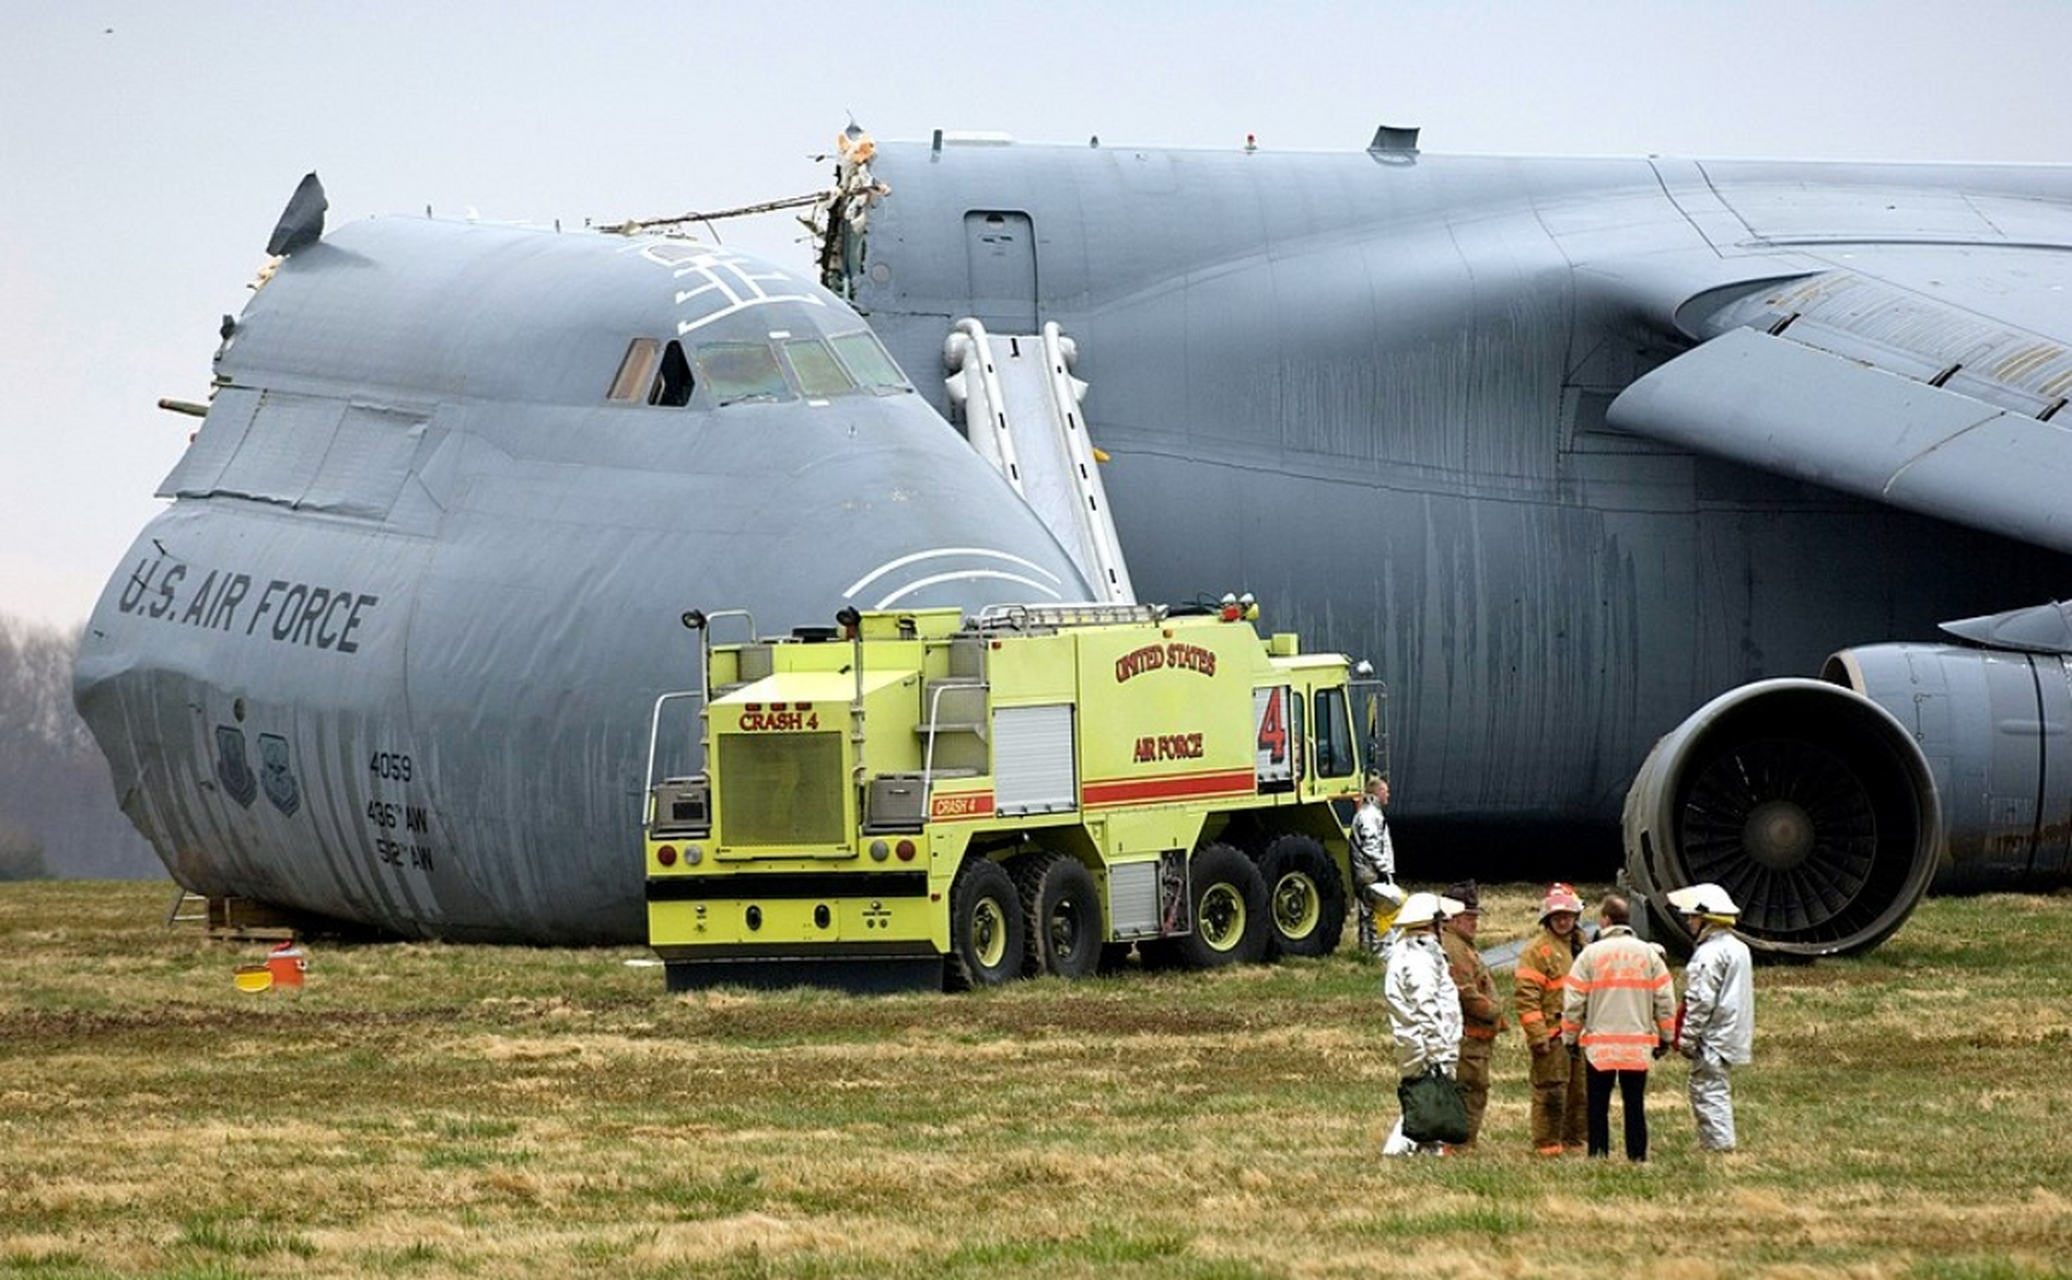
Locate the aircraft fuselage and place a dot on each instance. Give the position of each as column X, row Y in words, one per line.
column 1371, row 388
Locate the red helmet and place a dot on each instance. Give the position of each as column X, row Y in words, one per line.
column 1560, row 898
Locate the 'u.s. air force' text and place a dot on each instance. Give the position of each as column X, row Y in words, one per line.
column 286, row 611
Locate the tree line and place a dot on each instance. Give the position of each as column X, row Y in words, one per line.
column 58, row 816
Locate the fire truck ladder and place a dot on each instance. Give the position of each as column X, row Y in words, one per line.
column 1021, row 412
column 1050, row 617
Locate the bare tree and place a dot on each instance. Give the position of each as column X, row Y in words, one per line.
column 57, row 804
column 21, row 856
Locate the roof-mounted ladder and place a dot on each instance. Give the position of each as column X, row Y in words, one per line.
column 1025, row 617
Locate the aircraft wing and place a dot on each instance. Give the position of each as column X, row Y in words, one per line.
column 1936, row 388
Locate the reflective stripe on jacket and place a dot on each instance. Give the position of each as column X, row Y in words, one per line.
column 1538, row 984
column 1719, row 997
column 1620, row 1002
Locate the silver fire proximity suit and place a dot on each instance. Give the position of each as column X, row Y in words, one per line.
column 1718, row 1029
column 1424, row 1016
column 1373, row 862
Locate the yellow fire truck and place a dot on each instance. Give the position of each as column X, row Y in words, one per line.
column 914, row 798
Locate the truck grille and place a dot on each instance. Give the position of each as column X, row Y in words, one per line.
column 781, row 789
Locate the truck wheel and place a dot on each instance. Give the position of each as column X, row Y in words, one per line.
column 1305, row 897
column 1229, row 910
column 985, row 927
column 1063, row 909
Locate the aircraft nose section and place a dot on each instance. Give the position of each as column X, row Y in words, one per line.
column 919, row 521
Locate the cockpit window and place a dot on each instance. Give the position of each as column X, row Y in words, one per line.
column 867, row 360
column 653, row 374
column 816, row 368
column 672, row 387
column 636, row 370
column 737, row 371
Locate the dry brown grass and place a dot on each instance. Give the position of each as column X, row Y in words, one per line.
column 442, row 1111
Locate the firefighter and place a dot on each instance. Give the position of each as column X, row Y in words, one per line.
column 1482, row 1018
column 1716, row 1029
column 1424, row 1008
column 1539, row 987
column 1621, row 1008
column 1374, row 868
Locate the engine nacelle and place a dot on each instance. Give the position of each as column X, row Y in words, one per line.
column 1808, row 802
column 1993, row 726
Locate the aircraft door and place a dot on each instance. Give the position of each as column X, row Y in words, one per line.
column 1000, row 249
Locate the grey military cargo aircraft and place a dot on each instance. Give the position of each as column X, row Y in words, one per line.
column 1570, row 448
column 1567, row 448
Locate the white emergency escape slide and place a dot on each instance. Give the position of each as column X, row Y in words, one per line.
column 1021, row 412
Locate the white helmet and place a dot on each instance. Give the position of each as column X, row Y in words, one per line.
column 1383, row 894
column 1706, row 899
column 1424, row 908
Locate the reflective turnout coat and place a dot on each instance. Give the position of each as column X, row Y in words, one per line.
column 1620, row 1002
column 1538, row 985
column 1481, row 1016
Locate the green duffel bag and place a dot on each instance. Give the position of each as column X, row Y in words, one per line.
column 1432, row 1108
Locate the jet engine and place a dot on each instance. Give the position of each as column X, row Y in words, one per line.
column 1992, row 724
column 1827, row 808
column 1808, row 802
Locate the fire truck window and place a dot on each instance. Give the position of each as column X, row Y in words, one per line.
column 738, row 371
column 1335, row 758
column 815, row 367
column 636, row 370
column 672, row 387
column 869, row 362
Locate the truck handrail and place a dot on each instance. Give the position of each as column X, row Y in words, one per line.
column 928, row 752
column 647, row 808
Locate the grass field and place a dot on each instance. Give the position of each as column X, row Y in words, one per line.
column 433, row 1111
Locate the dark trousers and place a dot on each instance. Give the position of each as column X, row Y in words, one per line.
column 1633, row 1090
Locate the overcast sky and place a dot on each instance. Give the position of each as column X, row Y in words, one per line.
column 147, row 147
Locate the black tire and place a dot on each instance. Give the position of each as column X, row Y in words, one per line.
column 1305, row 898
column 1061, row 908
column 986, row 929
column 1229, row 909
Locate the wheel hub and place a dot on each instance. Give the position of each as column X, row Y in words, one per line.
column 988, row 934
column 1222, row 917
column 1295, row 906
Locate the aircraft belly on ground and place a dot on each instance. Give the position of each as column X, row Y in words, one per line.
column 391, row 654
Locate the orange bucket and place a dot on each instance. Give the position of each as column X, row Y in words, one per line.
column 286, row 964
